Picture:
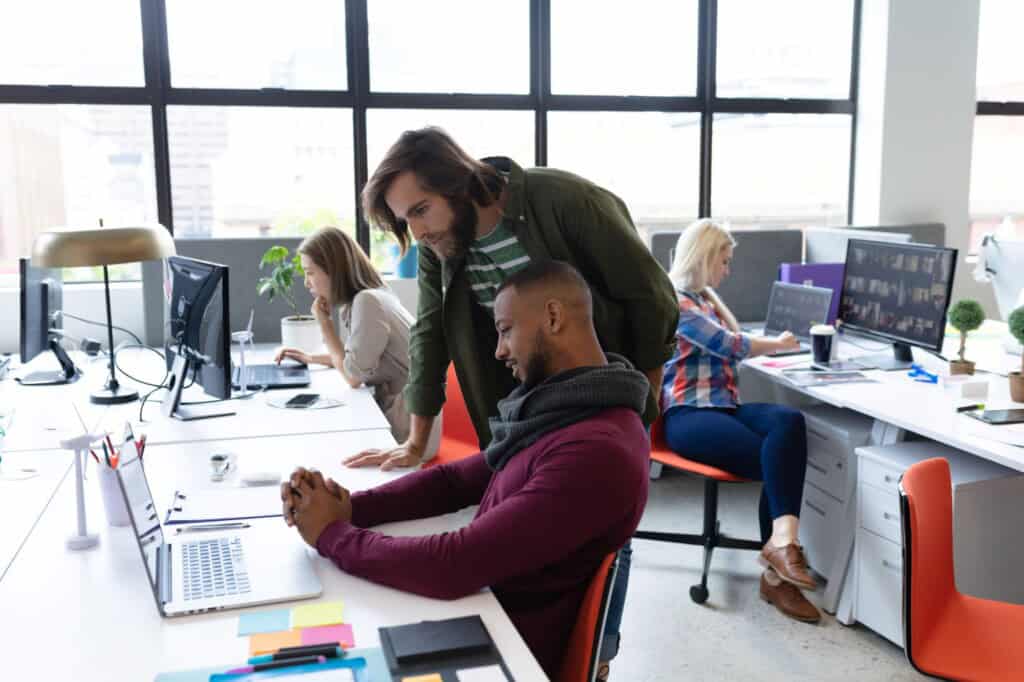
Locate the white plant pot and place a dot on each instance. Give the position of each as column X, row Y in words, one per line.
column 302, row 333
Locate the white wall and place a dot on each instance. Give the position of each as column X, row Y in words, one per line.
column 915, row 124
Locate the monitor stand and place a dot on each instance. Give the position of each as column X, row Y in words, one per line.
column 172, row 406
column 901, row 358
column 67, row 374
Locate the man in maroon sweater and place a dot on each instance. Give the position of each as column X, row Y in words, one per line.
column 562, row 484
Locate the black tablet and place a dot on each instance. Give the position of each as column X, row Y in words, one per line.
column 998, row 416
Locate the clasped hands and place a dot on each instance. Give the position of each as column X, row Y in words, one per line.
column 310, row 503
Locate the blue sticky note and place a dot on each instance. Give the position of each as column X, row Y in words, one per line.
column 264, row 621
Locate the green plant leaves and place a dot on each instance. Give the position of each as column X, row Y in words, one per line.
column 282, row 276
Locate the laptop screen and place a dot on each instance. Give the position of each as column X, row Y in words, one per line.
column 796, row 308
column 144, row 515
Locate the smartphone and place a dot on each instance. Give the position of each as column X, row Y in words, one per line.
column 998, row 416
column 302, row 400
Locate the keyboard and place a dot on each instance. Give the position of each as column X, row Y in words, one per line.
column 272, row 375
column 214, row 568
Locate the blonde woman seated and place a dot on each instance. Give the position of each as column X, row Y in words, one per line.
column 364, row 326
column 704, row 420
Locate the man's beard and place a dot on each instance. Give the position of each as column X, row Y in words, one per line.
column 537, row 365
column 462, row 229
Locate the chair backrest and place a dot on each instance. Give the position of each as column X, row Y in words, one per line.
column 580, row 662
column 457, row 424
column 926, row 512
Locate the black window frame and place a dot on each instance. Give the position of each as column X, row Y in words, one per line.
column 158, row 94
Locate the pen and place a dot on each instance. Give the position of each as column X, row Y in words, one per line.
column 211, row 526
column 971, row 408
column 305, row 660
column 328, row 650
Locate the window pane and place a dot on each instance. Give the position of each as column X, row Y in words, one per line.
column 248, row 172
column 69, row 42
column 651, row 160
column 791, row 48
column 480, row 133
column 780, row 170
column 72, row 165
column 600, row 49
column 257, row 44
column 1000, row 60
column 445, row 47
column 997, row 203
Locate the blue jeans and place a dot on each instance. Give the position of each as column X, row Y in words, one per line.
column 759, row 441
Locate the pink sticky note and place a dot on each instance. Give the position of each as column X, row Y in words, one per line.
column 323, row 634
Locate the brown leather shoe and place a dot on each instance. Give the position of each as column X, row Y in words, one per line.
column 788, row 599
column 789, row 563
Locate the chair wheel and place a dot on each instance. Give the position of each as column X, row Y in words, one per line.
column 699, row 594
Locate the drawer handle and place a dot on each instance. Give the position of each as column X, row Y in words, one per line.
column 891, row 566
column 889, row 479
column 821, row 470
column 890, row 517
column 811, row 505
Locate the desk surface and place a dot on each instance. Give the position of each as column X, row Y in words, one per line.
column 923, row 408
column 98, row 603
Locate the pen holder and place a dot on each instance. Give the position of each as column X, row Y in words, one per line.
column 113, row 500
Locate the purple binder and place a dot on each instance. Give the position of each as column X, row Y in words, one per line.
column 828, row 275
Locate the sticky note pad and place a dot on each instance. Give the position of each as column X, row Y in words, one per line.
column 264, row 621
column 433, row 677
column 311, row 615
column 269, row 642
column 324, row 634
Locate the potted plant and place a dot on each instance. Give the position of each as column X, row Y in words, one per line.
column 298, row 330
column 965, row 316
column 1016, row 324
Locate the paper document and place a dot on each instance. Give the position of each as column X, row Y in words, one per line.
column 810, row 378
column 224, row 505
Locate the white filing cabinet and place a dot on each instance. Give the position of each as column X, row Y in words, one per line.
column 827, row 510
column 878, row 565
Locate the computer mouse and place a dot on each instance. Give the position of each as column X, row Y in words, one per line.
column 254, row 478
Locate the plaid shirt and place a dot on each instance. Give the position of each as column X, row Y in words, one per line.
column 702, row 370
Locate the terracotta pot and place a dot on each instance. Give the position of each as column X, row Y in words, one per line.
column 961, row 367
column 1016, row 387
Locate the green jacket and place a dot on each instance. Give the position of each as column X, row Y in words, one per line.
column 556, row 215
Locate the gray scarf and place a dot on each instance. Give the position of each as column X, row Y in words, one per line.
column 560, row 401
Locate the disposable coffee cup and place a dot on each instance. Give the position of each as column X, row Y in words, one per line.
column 823, row 343
column 113, row 499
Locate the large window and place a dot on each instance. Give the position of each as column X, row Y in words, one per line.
column 997, row 203
column 244, row 118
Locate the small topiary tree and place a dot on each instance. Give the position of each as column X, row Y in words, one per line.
column 965, row 316
column 1016, row 324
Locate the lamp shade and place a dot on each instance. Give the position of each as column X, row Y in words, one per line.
column 68, row 247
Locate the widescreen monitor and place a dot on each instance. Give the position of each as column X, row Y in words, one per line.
column 40, row 300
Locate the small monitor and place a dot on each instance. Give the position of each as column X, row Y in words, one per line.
column 41, row 300
column 198, row 343
column 899, row 293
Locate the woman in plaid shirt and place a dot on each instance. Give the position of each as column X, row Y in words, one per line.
column 704, row 420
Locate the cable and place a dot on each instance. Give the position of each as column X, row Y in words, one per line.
column 101, row 324
column 136, row 379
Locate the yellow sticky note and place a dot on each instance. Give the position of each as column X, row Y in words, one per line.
column 270, row 642
column 433, row 677
column 311, row 615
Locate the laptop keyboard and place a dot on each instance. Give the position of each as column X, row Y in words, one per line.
column 214, row 568
column 264, row 375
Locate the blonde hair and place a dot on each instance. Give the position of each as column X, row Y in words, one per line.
column 347, row 267
column 699, row 244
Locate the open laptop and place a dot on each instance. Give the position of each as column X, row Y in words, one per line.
column 288, row 374
column 214, row 570
column 795, row 308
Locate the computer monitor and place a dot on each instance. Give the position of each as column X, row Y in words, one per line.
column 198, row 344
column 897, row 292
column 41, row 300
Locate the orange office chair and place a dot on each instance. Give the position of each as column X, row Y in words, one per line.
column 946, row 633
column 458, row 437
column 580, row 662
column 711, row 537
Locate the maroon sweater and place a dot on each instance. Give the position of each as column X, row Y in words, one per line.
column 544, row 524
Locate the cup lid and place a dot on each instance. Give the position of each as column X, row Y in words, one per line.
column 823, row 329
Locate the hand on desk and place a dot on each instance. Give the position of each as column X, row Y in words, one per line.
column 405, row 455
column 310, row 503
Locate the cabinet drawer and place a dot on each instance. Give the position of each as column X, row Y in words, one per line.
column 879, row 512
column 828, row 470
column 879, row 476
column 821, row 519
column 880, row 586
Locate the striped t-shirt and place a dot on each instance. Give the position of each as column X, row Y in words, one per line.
column 491, row 260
